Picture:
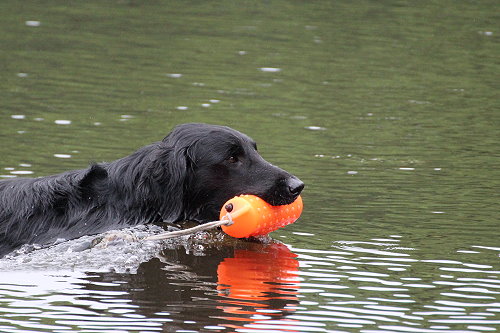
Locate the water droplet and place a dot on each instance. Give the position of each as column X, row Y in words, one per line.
column 315, row 128
column 270, row 69
column 32, row 23
column 22, row 172
column 62, row 155
column 62, row 122
column 486, row 33
column 413, row 101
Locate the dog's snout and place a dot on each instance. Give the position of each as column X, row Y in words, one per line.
column 295, row 186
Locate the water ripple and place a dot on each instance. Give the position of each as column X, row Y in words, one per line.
column 378, row 293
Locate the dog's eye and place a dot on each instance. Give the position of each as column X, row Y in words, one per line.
column 232, row 159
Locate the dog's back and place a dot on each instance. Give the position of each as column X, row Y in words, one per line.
column 41, row 210
column 79, row 202
column 30, row 206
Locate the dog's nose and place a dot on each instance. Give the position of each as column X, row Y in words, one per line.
column 295, row 186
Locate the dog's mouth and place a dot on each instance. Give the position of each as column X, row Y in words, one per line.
column 284, row 192
column 280, row 201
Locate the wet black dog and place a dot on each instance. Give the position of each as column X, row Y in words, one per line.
column 188, row 175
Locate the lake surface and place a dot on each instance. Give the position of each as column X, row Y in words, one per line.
column 387, row 110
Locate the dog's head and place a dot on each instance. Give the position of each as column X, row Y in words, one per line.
column 216, row 163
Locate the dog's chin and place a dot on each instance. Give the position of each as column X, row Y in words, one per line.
column 279, row 200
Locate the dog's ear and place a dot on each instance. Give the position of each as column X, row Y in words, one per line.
column 167, row 176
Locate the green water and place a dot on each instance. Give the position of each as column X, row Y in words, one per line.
column 387, row 110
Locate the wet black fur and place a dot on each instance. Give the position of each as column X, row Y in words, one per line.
column 186, row 176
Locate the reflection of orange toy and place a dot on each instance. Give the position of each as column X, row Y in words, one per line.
column 252, row 216
column 264, row 278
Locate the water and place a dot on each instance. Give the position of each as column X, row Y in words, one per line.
column 387, row 110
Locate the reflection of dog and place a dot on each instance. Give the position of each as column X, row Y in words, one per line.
column 233, row 284
column 186, row 176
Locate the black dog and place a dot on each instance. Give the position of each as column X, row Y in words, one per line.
column 188, row 175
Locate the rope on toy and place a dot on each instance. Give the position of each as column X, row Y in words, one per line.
column 189, row 231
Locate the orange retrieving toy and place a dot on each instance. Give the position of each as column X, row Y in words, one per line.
column 252, row 216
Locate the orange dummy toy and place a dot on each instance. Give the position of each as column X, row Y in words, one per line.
column 252, row 216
